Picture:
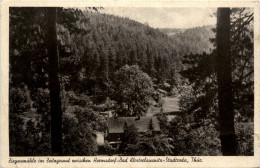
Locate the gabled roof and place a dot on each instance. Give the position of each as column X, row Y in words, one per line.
column 116, row 125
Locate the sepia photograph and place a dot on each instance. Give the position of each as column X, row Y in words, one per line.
column 139, row 81
column 129, row 84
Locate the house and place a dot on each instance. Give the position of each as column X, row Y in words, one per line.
column 107, row 114
column 116, row 127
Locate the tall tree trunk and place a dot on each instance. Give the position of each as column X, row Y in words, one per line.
column 225, row 94
column 54, row 85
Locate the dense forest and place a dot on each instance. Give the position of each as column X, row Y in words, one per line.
column 107, row 62
column 171, row 31
column 114, row 42
column 193, row 40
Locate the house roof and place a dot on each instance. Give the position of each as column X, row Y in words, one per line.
column 116, row 125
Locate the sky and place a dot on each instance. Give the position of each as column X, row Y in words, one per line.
column 167, row 17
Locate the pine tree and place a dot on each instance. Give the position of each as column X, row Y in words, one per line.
column 143, row 61
column 125, row 126
column 133, row 56
column 54, row 84
column 111, row 60
column 104, row 63
column 96, row 62
column 224, row 78
column 150, row 126
column 150, row 61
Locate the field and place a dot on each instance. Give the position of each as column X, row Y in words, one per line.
column 170, row 104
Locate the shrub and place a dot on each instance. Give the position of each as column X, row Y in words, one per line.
column 200, row 139
column 245, row 138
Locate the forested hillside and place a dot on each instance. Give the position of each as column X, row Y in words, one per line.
column 114, row 41
column 119, row 41
column 171, row 31
column 92, row 50
column 104, row 63
column 195, row 40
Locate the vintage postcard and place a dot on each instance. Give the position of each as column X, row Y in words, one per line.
column 130, row 84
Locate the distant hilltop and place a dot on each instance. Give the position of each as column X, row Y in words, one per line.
column 196, row 39
column 173, row 31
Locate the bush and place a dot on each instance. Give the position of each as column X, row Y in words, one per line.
column 151, row 144
column 199, row 139
column 28, row 123
column 245, row 138
column 78, row 138
column 79, row 125
column 20, row 100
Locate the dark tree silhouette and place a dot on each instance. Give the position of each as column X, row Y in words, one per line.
column 224, row 78
column 54, row 84
column 150, row 126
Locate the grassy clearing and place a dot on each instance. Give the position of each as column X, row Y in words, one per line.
column 169, row 104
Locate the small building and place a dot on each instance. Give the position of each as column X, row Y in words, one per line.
column 107, row 114
column 100, row 138
column 116, row 127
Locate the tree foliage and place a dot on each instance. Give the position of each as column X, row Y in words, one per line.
column 103, row 56
column 132, row 88
column 130, row 136
column 151, row 144
column 199, row 88
column 80, row 122
column 29, row 78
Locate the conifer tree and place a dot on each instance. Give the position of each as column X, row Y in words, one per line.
column 150, row 126
column 224, row 78
column 54, row 86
